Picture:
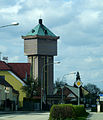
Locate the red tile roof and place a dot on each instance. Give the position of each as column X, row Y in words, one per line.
column 4, row 66
column 20, row 69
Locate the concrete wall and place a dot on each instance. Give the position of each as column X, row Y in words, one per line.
column 38, row 63
column 47, row 73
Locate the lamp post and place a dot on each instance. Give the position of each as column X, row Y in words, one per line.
column 42, row 77
column 62, row 80
column 12, row 24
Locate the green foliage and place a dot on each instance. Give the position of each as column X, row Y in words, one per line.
column 94, row 91
column 31, row 88
column 79, row 110
column 67, row 112
column 61, row 111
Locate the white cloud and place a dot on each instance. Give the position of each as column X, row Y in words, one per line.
column 89, row 17
column 93, row 4
column 10, row 10
column 13, row 59
column 89, row 59
column 101, row 59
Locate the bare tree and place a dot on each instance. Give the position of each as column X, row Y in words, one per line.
column 93, row 89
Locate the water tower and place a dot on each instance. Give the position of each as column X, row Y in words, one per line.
column 40, row 45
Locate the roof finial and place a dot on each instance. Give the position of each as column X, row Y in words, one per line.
column 40, row 16
column 40, row 21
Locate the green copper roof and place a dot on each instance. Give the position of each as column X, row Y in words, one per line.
column 41, row 30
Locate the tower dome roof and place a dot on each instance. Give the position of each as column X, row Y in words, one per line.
column 40, row 30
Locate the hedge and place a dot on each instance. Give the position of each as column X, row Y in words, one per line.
column 64, row 111
column 80, row 110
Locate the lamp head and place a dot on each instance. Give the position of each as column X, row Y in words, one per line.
column 14, row 23
column 58, row 62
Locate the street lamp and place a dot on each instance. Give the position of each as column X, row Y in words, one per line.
column 68, row 74
column 12, row 24
column 62, row 80
column 42, row 77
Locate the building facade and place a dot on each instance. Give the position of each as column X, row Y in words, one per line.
column 8, row 96
column 14, row 74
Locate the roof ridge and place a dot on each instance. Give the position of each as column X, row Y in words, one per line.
column 49, row 30
column 38, row 28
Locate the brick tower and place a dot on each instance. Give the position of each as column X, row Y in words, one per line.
column 40, row 45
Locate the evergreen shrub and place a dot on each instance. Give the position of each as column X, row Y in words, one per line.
column 64, row 111
column 80, row 110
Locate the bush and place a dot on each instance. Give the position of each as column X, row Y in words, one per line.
column 79, row 110
column 64, row 111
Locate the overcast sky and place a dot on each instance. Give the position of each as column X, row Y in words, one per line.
column 79, row 23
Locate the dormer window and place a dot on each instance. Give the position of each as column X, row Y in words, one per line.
column 46, row 32
column 33, row 31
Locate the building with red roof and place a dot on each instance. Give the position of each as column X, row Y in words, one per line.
column 20, row 69
column 15, row 75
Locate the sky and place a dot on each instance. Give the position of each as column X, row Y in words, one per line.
column 79, row 23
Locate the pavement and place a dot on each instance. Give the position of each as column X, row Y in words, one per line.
column 24, row 115
column 21, row 112
column 38, row 115
column 7, row 112
column 95, row 116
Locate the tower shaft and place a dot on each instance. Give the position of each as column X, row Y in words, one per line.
column 43, row 69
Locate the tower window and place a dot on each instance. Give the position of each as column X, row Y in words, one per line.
column 33, row 31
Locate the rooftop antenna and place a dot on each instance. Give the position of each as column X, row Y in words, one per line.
column 5, row 59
